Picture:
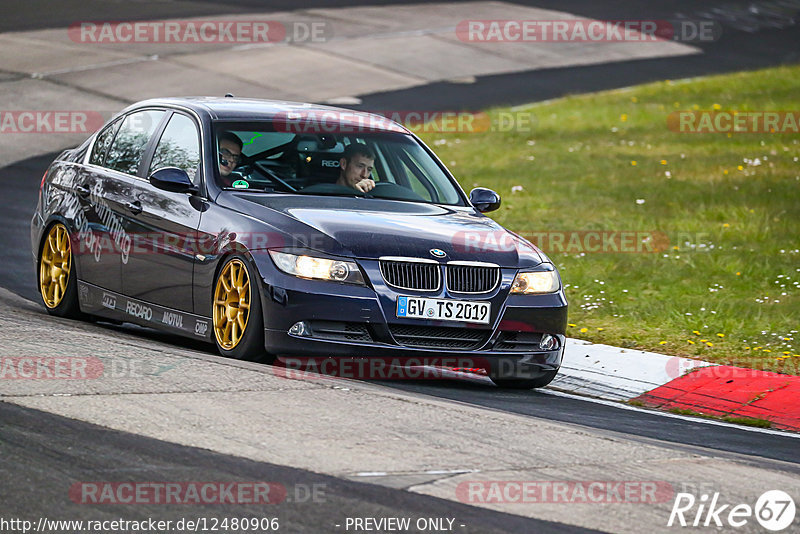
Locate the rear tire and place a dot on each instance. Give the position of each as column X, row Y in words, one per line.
column 58, row 285
column 236, row 311
column 526, row 383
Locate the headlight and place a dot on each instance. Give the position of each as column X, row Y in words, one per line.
column 317, row 268
column 535, row 282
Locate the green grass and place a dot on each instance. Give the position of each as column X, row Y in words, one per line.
column 732, row 265
column 747, row 421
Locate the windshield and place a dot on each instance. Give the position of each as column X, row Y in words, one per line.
column 256, row 158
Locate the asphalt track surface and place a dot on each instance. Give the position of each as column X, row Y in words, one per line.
column 45, row 455
column 51, row 452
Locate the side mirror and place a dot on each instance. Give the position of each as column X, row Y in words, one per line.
column 484, row 200
column 172, row 179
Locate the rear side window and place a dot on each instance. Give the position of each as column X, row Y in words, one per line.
column 125, row 154
column 179, row 146
column 104, row 139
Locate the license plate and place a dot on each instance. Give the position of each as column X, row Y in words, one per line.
column 444, row 309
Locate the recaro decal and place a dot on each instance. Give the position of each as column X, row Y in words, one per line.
column 139, row 310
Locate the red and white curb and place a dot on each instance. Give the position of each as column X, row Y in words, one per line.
column 614, row 373
column 671, row 382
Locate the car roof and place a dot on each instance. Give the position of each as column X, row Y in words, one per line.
column 253, row 109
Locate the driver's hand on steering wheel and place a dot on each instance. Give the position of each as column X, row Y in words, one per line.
column 365, row 185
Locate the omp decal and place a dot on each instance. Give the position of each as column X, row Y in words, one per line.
column 139, row 310
column 109, row 301
column 200, row 327
column 172, row 319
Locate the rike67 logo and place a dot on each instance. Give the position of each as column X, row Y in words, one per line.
column 774, row 510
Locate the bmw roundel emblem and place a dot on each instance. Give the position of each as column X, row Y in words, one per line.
column 438, row 253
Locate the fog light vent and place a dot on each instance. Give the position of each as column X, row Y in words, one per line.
column 548, row 342
column 300, row 329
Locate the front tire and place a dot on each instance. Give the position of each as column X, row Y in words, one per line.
column 236, row 311
column 58, row 283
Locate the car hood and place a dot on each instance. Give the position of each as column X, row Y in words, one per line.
column 372, row 228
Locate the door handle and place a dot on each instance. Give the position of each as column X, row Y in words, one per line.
column 83, row 191
column 134, row 207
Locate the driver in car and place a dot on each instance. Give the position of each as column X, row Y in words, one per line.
column 355, row 167
column 230, row 154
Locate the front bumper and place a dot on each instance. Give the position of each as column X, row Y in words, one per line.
column 348, row 321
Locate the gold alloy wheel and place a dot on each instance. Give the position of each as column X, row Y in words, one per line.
column 55, row 265
column 231, row 304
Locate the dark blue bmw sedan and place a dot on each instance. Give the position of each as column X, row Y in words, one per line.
column 284, row 229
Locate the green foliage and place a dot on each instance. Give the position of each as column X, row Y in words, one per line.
column 726, row 286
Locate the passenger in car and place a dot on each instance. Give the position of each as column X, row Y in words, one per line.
column 230, row 154
column 356, row 166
